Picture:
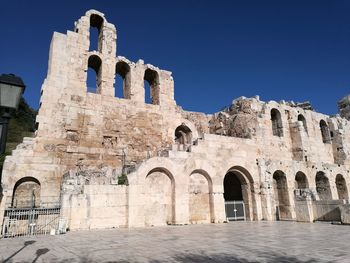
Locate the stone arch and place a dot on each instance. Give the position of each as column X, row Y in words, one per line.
column 26, row 193
column 301, row 181
column 280, row 187
column 239, row 186
column 152, row 78
column 323, row 188
column 190, row 125
column 276, row 121
column 122, row 69
column 96, row 22
column 160, row 193
column 201, row 209
column 94, row 66
column 303, row 120
column 326, row 136
column 183, row 135
column 341, row 187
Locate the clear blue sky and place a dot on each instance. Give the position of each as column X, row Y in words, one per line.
column 217, row 50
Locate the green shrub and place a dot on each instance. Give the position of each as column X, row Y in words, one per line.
column 123, row 180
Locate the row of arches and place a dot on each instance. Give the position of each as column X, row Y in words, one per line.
column 238, row 185
column 122, row 85
column 323, row 190
column 277, row 125
column 160, row 193
column 323, row 187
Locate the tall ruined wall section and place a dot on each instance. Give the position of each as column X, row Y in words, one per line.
column 95, row 134
column 96, row 127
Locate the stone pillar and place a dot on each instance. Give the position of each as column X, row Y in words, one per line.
column 291, row 199
column 257, row 205
column 137, row 90
column 304, row 209
column 219, row 204
column 333, row 188
column 2, row 210
column 267, row 196
column 181, row 204
column 136, row 206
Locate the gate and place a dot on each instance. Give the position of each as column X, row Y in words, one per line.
column 32, row 221
column 235, row 210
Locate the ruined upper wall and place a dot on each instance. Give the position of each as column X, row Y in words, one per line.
column 71, row 56
column 98, row 127
column 344, row 107
column 295, row 129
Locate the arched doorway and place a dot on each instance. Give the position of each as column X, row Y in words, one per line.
column 322, row 186
column 237, row 191
column 200, row 198
column 301, row 186
column 341, row 187
column 183, row 134
column 160, row 192
column 281, row 194
column 26, row 193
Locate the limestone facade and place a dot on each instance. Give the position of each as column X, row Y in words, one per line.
column 122, row 162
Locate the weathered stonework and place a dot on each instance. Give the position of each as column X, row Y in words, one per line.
column 283, row 160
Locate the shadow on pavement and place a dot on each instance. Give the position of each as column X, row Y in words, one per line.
column 200, row 258
column 27, row 243
column 40, row 252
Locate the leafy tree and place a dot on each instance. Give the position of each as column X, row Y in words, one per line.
column 22, row 124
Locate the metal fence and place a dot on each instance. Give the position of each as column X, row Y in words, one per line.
column 235, row 210
column 32, row 221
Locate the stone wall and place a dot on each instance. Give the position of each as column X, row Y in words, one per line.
column 175, row 161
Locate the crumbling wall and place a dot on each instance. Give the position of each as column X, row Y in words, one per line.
column 238, row 120
column 344, row 107
column 93, row 198
column 199, row 119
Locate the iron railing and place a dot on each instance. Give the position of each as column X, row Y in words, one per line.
column 235, row 210
column 32, row 221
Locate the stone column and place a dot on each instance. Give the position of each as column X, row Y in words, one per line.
column 219, row 204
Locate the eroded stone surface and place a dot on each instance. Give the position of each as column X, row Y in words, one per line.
column 176, row 162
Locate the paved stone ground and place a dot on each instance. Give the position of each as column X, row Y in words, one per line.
column 247, row 242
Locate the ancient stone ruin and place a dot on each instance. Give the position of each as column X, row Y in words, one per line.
column 133, row 161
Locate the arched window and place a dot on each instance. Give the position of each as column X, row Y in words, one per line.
column 280, row 188
column 26, row 193
column 341, row 187
column 94, row 74
column 301, row 181
column 303, row 120
column 122, row 80
column 151, row 85
column 326, row 137
column 322, row 186
column 96, row 23
column 276, row 120
column 183, row 134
